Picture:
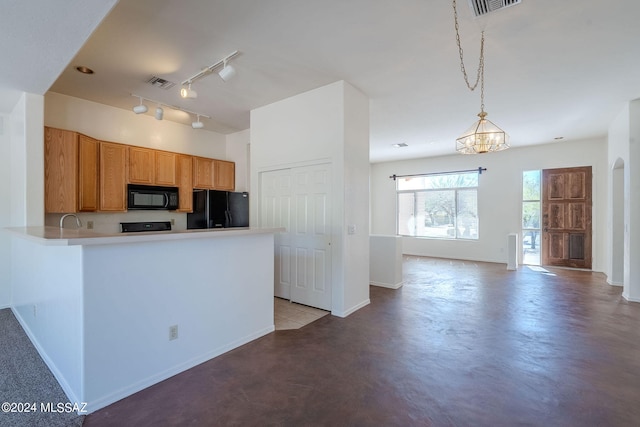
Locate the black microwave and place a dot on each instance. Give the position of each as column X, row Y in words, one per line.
column 152, row 197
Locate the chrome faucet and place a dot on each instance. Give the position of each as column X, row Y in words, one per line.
column 78, row 222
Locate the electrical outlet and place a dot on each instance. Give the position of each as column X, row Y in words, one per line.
column 35, row 310
column 173, row 221
column 173, row 332
column 90, row 225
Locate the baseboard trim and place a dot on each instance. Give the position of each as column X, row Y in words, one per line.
column 630, row 299
column 387, row 285
column 352, row 309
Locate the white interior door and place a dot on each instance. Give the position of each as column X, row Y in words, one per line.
column 299, row 200
column 275, row 211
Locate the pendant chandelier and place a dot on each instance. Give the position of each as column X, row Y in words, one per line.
column 483, row 136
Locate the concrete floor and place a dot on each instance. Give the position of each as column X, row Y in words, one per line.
column 460, row 344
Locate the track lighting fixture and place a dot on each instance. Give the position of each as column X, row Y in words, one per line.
column 159, row 113
column 197, row 124
column 226, row 73
column 140, row 109
column 188, row 92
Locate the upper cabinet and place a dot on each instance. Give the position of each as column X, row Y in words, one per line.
column 83, row 174
column 203, row 173
column 88, row 160
column 225, row 173
column 165, row 168
column 113, row 177
column 141, row 165
column 184, row 177
column 213, row 174
column 71, row 170
column 151, row 167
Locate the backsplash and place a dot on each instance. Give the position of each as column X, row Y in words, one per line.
column 109, row 223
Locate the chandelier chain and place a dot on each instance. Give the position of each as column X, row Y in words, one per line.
column 480, row 72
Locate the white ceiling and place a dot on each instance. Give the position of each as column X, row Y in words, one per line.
column 553, row 68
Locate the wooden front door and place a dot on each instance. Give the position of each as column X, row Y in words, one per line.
column 566, row 217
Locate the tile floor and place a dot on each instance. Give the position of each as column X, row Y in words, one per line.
column 289, row 315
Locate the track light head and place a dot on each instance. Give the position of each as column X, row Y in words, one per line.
column 140, row 109
column 227, row 72
column 197, row 124
column 159, row 113
column 188, row 92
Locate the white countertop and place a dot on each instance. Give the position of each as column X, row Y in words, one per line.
column 54, row 236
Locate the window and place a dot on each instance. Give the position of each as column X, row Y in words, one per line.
column 438, row 206
column 531, row 217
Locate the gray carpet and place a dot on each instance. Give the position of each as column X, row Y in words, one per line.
column 25, row 378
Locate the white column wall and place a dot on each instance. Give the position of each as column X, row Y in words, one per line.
column 238, row 145
column 624, row 144
column 5, row 212
column 323, row 125
column 22, row 183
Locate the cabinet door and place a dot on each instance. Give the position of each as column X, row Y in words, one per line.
column 225, row 175
column 113, row 177
column 141, row 165
column 185, row 182
column 203, row 173
column 165, row 168
column 60, row 170
column 88, row 150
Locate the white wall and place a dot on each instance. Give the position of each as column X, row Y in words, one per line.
column 324, row 125
column 356, row 197
column 623, row 148
column 104, row 331
column 5, row 213
column 22, row 186
column 238, row 145
column 126, row 127
column 499, row 196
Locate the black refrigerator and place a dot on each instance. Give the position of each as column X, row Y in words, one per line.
column 219, row 209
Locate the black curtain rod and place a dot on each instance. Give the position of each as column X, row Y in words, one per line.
column 479, row 170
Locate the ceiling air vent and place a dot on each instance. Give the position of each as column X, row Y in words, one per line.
column 482, row 7
column 160, row 83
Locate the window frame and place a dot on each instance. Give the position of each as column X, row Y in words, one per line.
column 456, row 203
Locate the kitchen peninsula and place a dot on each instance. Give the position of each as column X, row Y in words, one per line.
column 114, row 314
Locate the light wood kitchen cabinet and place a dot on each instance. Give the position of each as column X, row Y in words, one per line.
column 70, row 169
column 185, row 182
column 151, row 167
column 203, row 173
column 165, row 168
column 88, row 159
column 225, row 175
column 141, row 165
column 113, row 177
